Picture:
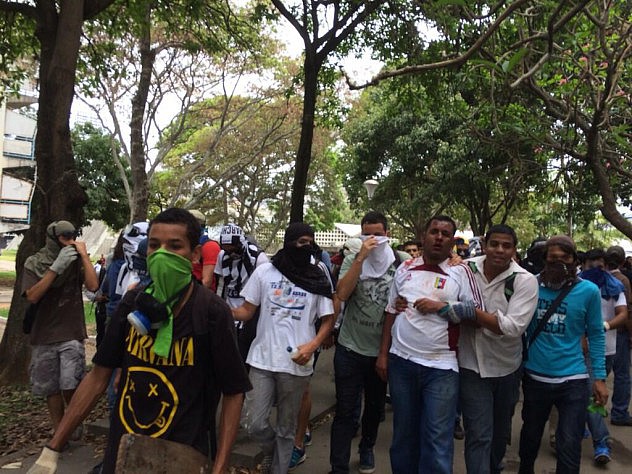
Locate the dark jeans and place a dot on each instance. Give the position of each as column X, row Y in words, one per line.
column 571, row 399
column 621, row 387
column 354, row 373
column 488, row 406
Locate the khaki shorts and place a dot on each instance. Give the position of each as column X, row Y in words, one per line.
column 56, row 367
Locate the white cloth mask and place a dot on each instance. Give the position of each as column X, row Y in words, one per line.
column 379, row 259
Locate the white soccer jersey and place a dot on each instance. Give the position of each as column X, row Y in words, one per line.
column 428, row 339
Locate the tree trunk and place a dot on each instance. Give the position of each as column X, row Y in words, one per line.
column 57, row 193
column 140, row 187
column 608, row 199
column 304, row 154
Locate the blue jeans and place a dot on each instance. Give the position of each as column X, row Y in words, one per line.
column 571, row 400
column 354, row 373
column 487, row 405
column 424, row 403
column 597, row 423
column 621, row 369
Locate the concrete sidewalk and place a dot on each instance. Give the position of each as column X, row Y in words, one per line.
column 80, row 458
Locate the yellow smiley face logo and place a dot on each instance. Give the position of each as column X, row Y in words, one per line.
column 148, row 402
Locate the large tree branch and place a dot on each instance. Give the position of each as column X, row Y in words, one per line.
column 300, row 29
column 418, row 68
column 333, row 40
column 91, row 8
column 22, row 8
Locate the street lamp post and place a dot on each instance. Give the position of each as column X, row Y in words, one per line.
column 370, row 185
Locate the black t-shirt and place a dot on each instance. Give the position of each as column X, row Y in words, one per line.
column 169, row 397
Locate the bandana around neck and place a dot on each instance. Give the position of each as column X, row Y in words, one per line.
column 379, row 260
column 170, row 274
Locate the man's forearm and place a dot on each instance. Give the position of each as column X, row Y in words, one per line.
column 39, row 289
column 488, row 321
column 385, row 342
column 326, row 326
column 620, row 317
column 229, row 424
column 91, row 280
column 208, row 272
column 346, row 285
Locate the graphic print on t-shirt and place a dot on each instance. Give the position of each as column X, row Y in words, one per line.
column 287, row 299
column 557, row 322
column 159, row 402
column 149, row 401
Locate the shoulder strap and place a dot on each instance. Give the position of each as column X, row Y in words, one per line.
column 509, row 281
column 509, row 286
column 549, row 312
column 398, row 259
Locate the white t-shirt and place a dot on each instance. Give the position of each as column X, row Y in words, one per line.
column 427, row 339
column 607, row 313
column 287, row 318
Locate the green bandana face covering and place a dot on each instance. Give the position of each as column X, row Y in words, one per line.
column 170, row 273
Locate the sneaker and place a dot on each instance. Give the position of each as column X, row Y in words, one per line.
column 602, row 454
column 459, row 433
column 298, row 457
column 307, row 440
column 367, row 461
column 266, row 464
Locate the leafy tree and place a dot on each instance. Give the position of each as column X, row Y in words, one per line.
column 570, row 63
column 581, row 84
column 323, row 27
column 98, row 175
column 235, row 164
column 155, row 63
column 52, row 30
column 433, row 153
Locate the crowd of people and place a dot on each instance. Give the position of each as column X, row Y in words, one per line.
column 190, row 324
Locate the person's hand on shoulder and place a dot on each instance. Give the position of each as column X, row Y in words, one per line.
column 454, row 260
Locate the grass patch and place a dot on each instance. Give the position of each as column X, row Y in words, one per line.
column 88, row 311
column 8, row 255
column 7, row 278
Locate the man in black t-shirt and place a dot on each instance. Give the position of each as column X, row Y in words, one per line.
column 169, row 373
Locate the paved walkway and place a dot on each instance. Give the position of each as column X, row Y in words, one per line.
column 80, row 457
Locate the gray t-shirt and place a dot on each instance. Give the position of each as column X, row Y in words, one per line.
column 361, row 329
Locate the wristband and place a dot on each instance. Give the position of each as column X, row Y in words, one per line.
column 606, row 326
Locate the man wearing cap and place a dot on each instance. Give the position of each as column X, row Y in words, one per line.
column 555, row 370
column 52, row 281
column 293, row 292
column 205, row 268
column 620, row 416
